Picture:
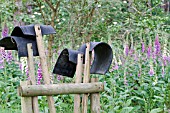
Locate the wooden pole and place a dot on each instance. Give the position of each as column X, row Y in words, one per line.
column 43, row 61
column 55, row 89
column 86, row 77
column 26, row 102
column 30, row 61
column 94, row 99
column 79, row 71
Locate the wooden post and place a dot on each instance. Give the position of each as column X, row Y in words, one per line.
column 86, row 77
column 94, row 99
column 79, row 72
column 30, row 61
column 26, row 102
column 56, row 89
column 43, row 61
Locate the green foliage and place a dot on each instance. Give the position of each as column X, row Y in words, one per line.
column 10, row 78
column 116, row 22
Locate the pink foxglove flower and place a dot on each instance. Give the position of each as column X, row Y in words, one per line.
column 126, row 50
column 157, row 45
column 1, row 63
column 149, row 51
column 27, row 73
column 151, row 71
column 39, row 73
column 139, row 74
column 116, row 67
column 5, row 31
column 9, row 56
column 58, row 77
column 131, row 52
column 164, row 58
column 143, row 47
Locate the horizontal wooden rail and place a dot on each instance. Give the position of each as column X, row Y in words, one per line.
column 55, row 89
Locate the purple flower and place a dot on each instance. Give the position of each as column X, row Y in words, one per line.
column 20, row 66
column 126, row 50
column 164, row 58
column 131, row 52
column 1, row 67
column 135, row 57
column 5, row 31
column 139, row 74
column 157, row 45
column 27, row 73
column 1, row 63
column 151, row 72
column 58, row 77
column 9, row 56
column 149, row 52
column 58, row 52
column 168, row 58
column 2, row 58
column 143, row 47
column 154, row 56
column 3, row 53
column 116, row 67
column 39, row 73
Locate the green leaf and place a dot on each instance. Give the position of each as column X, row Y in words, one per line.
column 126, row 110
column 156, row 110
column 138, row 98
column 128, row 102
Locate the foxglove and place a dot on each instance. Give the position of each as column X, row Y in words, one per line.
column 126, row 50
column 143, row 47
column 5, row 31
column 151, row 71
column 27, row 73
column 157, row 45
column 149, row 51
column 39, row 73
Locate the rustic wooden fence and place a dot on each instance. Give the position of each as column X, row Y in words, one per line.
column 29, row 91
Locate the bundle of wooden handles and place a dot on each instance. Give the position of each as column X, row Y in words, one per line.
column 29, row 91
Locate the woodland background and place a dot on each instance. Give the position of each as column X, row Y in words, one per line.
column 137, row 30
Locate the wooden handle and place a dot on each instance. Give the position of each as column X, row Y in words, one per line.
column 43, row 61
column 86, row 77
column 30, row 61
column 26, row 102
column 94, row 99
column 78, row 79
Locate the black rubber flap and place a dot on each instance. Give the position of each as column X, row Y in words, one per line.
column 103, row 56
column 28, row 30
column 66, row 63
column 19, row 44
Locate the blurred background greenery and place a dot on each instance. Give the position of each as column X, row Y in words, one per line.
column 138, row 80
